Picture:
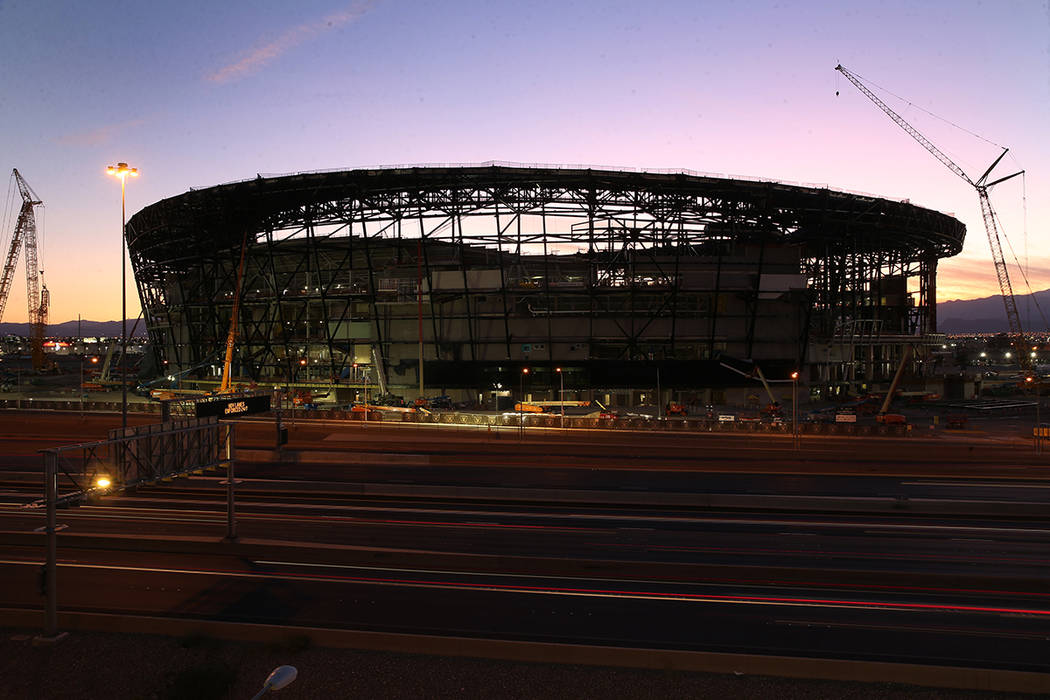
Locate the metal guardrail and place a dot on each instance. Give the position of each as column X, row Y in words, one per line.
column 76, row 405
column 550, row 420
column 532, row 420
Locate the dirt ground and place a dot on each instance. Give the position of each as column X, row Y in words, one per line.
column 115, row 667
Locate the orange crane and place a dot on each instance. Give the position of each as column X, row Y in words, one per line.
column 225, row 385
column 987, row 213
column 39, row 300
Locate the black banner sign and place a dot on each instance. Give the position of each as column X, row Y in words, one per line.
column 233, row 406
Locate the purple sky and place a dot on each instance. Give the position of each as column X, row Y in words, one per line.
column 199, row 93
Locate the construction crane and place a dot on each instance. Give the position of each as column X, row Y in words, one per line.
column 987, row 213
column 39, row 300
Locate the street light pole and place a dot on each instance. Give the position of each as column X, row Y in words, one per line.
column 521, row 404
column 122, row 171
column 1037, row 433
column 561, row 394
column 794, row 410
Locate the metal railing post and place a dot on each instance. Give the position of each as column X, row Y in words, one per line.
column 50, row 583
column 231, row 515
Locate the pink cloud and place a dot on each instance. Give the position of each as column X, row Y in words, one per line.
column 98, row 135
column 259, row 56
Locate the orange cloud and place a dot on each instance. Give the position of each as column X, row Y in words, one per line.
column 968, row 278
column 258, row 57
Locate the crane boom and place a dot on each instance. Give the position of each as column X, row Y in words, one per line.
column 225, row 385
column 25, row 221
column 912, row 131
column 1013, row 318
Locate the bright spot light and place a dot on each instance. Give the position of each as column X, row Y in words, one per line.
column 103, row 482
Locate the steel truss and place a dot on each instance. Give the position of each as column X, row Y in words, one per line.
column 523, row 266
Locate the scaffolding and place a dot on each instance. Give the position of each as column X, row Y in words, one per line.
column 489, row 268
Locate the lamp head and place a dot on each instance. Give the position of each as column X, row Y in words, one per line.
column 122, row 171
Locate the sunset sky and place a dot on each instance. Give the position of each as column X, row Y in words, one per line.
column 199, row 93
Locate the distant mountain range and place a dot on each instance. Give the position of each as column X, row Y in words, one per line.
column 984, row 315
column 988, row 314
column 88, row 329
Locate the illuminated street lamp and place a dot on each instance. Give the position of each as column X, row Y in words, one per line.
column 794, row 409
column 366, row 388
column 521, row 404
column 561, row 394
column 122, row 171
column 103, row 482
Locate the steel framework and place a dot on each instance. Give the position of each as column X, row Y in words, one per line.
column 488, row 268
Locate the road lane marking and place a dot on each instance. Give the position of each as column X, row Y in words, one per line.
column 1019, row 484
column 776, row 601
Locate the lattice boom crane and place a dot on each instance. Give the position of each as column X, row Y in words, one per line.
column 987, row 213
column 38, row 299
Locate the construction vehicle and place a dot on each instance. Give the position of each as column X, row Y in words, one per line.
column 37, row 296
column 987, row 213
column 676, row 409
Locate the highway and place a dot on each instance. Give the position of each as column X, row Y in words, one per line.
column 897, row 551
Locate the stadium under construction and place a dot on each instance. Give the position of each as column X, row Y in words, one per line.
column 609, row 283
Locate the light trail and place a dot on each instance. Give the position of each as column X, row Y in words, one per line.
column 777, row 601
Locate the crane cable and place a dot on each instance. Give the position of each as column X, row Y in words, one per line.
column 923, row 109
column 8, row 208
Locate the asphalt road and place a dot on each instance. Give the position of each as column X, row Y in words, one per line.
column 877, row 549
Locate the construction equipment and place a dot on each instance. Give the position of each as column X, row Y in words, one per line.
column 224, row 386
column 987, row 213
column 883, row 415
column 37, row 296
